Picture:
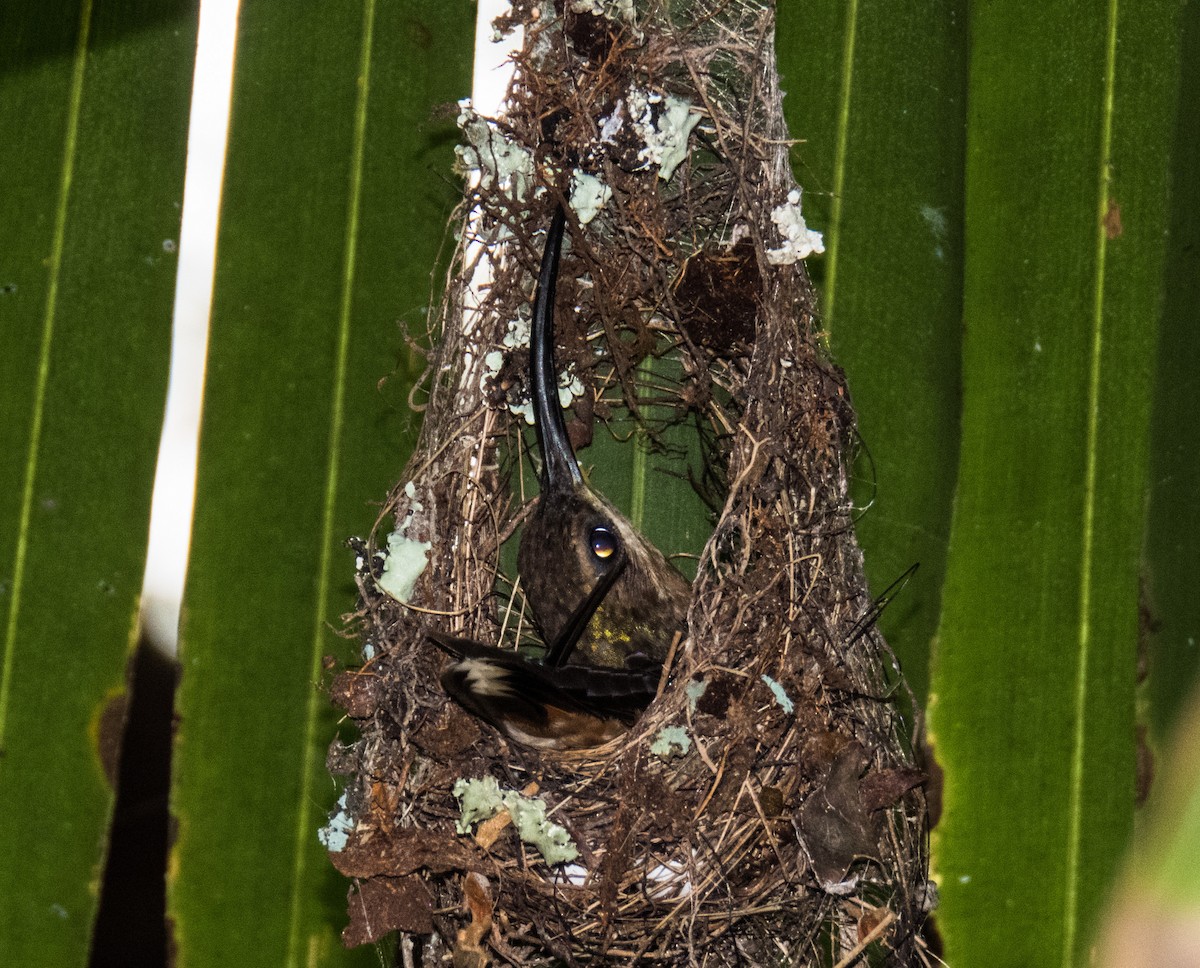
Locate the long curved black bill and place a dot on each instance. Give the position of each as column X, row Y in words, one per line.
column 560, row 471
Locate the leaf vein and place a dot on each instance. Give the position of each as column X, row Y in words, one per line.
column 297, row 945
column 66, row 176
column 1075, row 806
column 833, row 233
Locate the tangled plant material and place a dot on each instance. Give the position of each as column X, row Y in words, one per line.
column 766, row 808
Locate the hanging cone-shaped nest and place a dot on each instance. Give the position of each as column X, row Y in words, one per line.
column 765, row 809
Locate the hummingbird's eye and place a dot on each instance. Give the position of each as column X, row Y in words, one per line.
column 603, row 543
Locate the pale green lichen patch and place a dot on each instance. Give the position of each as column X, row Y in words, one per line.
column 522, row 410
column 799, row 241
column 517, row 334
column 664, row 124
column 492, row 363
column 695, row 689
column 336, row 834
column 500, row 161
column 482, row 799
column 479, row 800
column 517, row 337
column 551, row 840
column 588, row 195
column 781, row 696
column 671, row 741
column 569, row 387
column 615, row 10
column 406, row 561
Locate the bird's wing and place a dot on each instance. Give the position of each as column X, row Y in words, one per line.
column 496, row 683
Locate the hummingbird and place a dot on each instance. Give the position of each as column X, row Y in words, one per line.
column 572, row 538
column 596, row 588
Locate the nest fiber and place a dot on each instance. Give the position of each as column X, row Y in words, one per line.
column 766, row 808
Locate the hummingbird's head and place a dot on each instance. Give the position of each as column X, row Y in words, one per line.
column 570, row 543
